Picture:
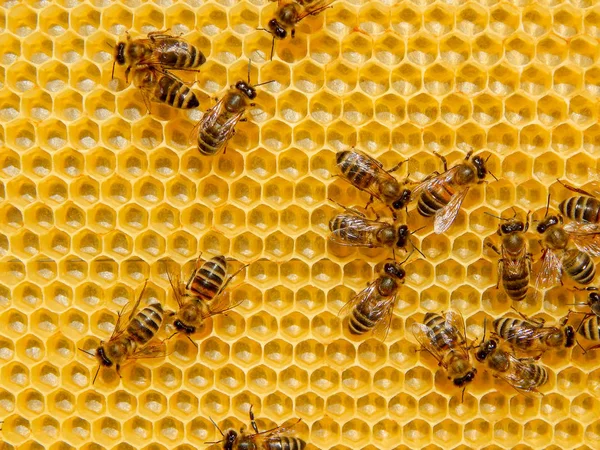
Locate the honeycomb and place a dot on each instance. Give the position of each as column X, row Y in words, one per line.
column 95, row 193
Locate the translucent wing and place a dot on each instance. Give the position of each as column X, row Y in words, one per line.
column 445, row 217
column 426, row 337
column 358, row 230
column 314, row 8
column 219, row 305
column 512, row 265
column 274, row 433
column 122, row 323
column 550, row 272
column 158, row 350
column 586, row 236
column 175, row 282
column 362, row 296
column 523, row 333
column 365, row 163
column 386, row 305
column 430, row 182
column 456, row 323
column 522, row 376
column 221, row 132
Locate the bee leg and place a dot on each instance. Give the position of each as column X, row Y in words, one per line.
column 118, row 369
column 500, row 271
column 375, row 213
column 293, row 33
column 127, row 74
column 397, row 166
column 444, row 160
column 252, row 420
column 371, row 199
column 191, row 340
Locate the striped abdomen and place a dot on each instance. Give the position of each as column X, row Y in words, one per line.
column 212, row 139
column 516, row 282
column 433, row 199
column 437, row 323
column 209, row 278
column 364, row 317
column 285, row 443
column 538, row 374
column 581, row 209
column 359, row 171
column 144, row 325
column 590, row 329
column 506, row 327
column 579, row 266
column 174, row 93
column 178, row 54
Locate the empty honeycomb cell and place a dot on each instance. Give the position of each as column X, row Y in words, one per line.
column 454, row 50
column 536, row 432
column 23, row 20
column 551, row 51
column 487, row 51
column 53, row 77
column 417, row 432
column 470, row 137
column 9, row 106
column 68, row 48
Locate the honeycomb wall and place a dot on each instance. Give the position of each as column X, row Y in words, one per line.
column 95, row 193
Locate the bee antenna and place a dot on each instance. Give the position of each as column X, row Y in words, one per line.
column 249, row 66
column 484, row 329
column 514, row 211
column 263, row 83
column 492, row 173
column 547, row 205
column 217, row 427
column 415, row 248
column 87, row 352
column 496, row 217
column 112, row 75
column 462, row 397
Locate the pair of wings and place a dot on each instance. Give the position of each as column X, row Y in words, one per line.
column 512, row 265
column 445, row 216
column 522, row 374
column 585, row 236
column 210, row 120
column 383, row 304
column 365, row 163
column 218, row 305
column 160, row 46
column 453, row 336
column 528, row 333
column 147, row 351
column 358, row 230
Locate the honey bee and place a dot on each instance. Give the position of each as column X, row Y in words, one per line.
column 530, row 335
column 368, row 174
column 514, row 265
column 523, row 374
column 130, row 337
column 352, row 228
column 161, row 50
column 163, row 87
column 289, row 13
column 278, row 438
column 443, row 335
column 560, row 256
column 217, row 125
column 583, row 208
column 441, row 195
column 372, row 309
column 202, row 296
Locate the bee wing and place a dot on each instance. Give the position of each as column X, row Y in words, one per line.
column 386, row 304
column 175, row 282
column 219, row 305
column 276, row 432
column 586, row 236
column 432, row 181
column 121, row 324
column 210, row 117
column 314, row 8
column 513, row 265
column 426, row 337
column 456, row 322
column 522, row 333
column 362, row 296
column 445, row 216
column 370, row 165
column 522, row 375
column 550, row 271
column 358, row 228
column 158, row 350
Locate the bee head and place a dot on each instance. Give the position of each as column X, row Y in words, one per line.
column 470, row 376
column 403, row 235
column 512, row 227
column 394, row 270
column 546, row 223
column 229, row 440
column 276, row 29
column 594, row 298
column 570, row 336
column 101, row 355
column 180, row 326
column 488, row 347
column 479, row 163
column 120, row 53
column 403, row 200
column 246, row 89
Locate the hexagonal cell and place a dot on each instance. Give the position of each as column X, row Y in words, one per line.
column 421, row 49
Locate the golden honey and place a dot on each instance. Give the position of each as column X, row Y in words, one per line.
column 95, row 192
